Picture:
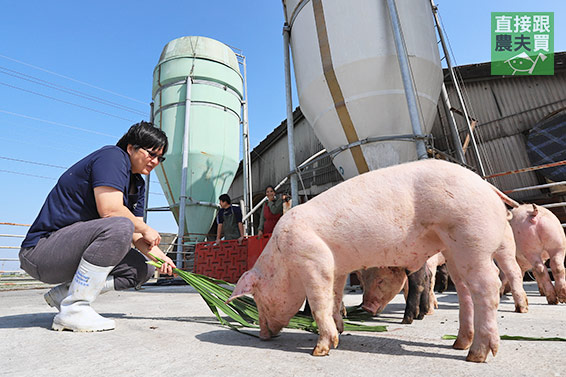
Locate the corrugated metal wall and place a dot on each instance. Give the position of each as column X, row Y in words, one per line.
column 506, row 108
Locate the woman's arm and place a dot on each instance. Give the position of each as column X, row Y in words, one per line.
column 110, row 203
column 276, row 206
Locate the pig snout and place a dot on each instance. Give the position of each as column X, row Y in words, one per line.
column 380, row 286
column 268, row 330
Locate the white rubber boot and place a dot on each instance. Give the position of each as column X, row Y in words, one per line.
column 56, row 294
column 76, row 313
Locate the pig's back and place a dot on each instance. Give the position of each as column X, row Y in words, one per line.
column 392, row 199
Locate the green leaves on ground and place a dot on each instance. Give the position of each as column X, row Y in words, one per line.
column 243, row 310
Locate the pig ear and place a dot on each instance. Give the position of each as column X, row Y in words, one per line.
column 245, row 285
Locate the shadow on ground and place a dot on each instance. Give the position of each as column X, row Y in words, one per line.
column 305, row 342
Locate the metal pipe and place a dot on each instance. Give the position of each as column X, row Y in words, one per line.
column 408, row 84
column 547, row 185
column 554, row 205
column 532, row 168
column 290, row 125
column 184, row 173
column 188, row 202
column 457, row 87
column 453, row 127
column 303, row 164
column 248, row 192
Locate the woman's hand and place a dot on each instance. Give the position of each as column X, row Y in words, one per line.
column 167, row 266
column 151, row 237
column 260, row 234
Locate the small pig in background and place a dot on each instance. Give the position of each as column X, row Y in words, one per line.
column 539, row 236
column 381, row 285
column 393, row 217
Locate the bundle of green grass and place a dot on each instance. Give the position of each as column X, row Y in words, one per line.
column 243, row 310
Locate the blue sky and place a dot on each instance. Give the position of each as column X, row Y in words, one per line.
column 106, row 51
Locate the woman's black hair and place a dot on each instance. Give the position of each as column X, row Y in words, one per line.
column 269, row 186
column 144, row 135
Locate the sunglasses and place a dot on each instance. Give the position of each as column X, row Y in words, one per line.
column 154, row 155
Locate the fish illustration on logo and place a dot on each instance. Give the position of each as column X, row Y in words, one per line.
column 524, row 63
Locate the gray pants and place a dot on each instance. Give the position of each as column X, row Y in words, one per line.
column 102, row 242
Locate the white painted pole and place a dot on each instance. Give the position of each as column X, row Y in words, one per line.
column 184, row 173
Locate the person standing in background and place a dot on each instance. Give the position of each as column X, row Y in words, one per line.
column 271, row 211
column 229, row 220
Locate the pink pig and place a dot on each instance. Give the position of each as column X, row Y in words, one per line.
column 392, row 217
column 539, row 236
column 381, row 285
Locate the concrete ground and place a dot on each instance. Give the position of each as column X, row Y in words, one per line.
column 169, row 331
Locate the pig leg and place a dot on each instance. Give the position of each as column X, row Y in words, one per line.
column 441, row 283
column 339, row 283
column 418, row 299
column 543, row 279
column 484, row 292
column 432, row 297
column 485, row 296
column 466, row 312
column 557, row 267
column 319, row 287
column 322, row 306
column 507, row 262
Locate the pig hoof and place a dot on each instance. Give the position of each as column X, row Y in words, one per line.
column 476, row 357
column 521, row 309
column 407, row 320
column 461, row 344
column 320, row 350
column 480, row 355
column 335, row 341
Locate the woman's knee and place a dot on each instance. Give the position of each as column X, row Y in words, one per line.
column 120, row 229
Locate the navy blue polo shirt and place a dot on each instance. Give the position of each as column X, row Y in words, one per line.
column 72, row 198
column 235, row 210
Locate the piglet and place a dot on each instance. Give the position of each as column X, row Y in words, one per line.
column 539, row 236
column 381, row 285
column 393, row 217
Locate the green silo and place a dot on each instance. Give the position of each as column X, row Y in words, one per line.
column 214, row 122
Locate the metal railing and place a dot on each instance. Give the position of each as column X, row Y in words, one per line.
column 10, row 241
